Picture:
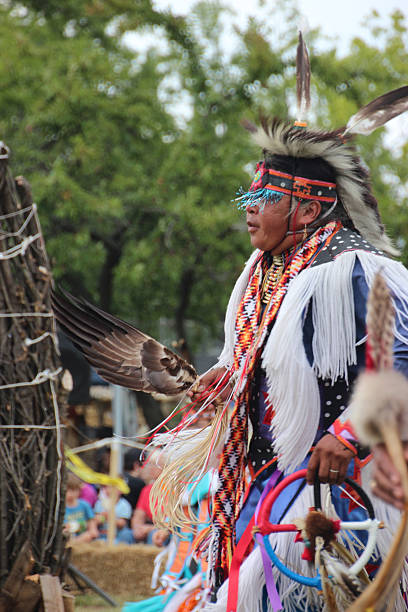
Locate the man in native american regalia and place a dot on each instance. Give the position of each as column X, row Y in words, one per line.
column 295, row 336
column 295, row 341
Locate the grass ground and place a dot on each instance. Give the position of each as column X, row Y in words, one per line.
column 89, row 602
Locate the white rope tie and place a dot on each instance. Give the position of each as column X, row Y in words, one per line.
column 25, row 314
column 32, row 210
column 38, row 380
column 30, row 341
column 28, row 427
column 19, row 249
column 106, row 442
column 60, row 460
column 18, row 212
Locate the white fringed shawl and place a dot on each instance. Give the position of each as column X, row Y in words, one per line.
column 292, row 381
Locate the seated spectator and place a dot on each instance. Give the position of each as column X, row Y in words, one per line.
column 123, row 512
column 79, row 519
column 132, row 471
column 102, row 460
column 142, row 521
column 88, row 493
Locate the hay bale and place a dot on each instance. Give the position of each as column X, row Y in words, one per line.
column 119, row 570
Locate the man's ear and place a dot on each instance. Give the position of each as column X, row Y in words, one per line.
column 309, row 212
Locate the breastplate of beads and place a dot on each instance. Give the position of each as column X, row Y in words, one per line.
column 272, row 278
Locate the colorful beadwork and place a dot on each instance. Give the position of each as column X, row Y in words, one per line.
column 251, row 333
column 269, row 186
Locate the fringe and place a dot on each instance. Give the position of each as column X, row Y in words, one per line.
column 259, row 197
column 396, row 276
column 178, row 599
column 169, row 553
column 292, row 381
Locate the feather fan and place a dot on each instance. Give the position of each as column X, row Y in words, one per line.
column 302, row 78
column 378, row 112
column 379, row 415
column 120, row 353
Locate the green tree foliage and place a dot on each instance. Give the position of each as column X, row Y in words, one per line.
column 134, row 157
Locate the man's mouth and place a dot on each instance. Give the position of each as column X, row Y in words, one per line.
column 252, row 227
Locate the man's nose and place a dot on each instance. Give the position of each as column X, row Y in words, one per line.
column 253, row 209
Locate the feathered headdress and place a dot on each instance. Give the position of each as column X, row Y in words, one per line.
column 352, row 182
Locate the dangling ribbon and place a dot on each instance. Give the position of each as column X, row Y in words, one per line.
column 269, row 580
column 239, row 553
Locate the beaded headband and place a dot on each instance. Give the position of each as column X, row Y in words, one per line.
column 269, row 186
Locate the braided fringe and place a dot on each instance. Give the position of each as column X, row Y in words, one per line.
column 229, row 493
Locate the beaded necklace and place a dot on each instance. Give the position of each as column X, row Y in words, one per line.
column 272, row 278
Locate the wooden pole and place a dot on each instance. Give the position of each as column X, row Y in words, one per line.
column 113, row 472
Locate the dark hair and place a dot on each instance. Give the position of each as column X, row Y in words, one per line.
column 131, row 457
column 314, row 168
column 102, row 459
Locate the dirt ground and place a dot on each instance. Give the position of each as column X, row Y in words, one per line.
column 123, row 572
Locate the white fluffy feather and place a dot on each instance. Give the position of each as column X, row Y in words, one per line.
column 379, row 397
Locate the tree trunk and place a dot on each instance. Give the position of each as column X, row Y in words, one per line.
column 186, row 286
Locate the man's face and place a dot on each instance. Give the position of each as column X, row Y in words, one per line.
column 267, row 228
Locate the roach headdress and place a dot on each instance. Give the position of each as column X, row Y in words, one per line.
column 305, row 150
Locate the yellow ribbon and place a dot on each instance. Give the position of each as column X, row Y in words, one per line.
column 85, row 473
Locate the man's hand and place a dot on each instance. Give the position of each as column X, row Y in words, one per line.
column 330, row 460
column 140, row 532
column 206, row 380
column 386, row 482
column 159, row 537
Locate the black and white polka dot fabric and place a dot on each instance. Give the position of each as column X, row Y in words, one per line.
column 334, row 400
column 344, row 241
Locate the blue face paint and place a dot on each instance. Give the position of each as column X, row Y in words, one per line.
column 259, row 197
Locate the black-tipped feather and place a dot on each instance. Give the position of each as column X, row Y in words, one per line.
column 120, row 353
column 302, row 78
column 378, row 112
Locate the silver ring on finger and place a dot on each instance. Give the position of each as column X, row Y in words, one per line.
column 334, row 471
